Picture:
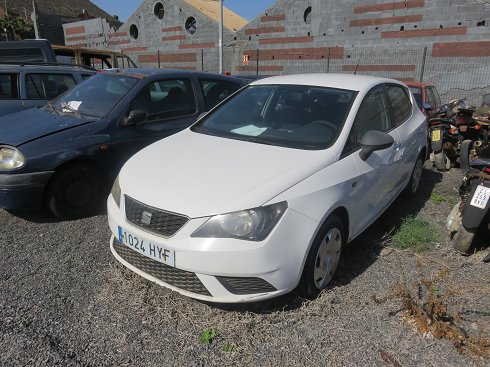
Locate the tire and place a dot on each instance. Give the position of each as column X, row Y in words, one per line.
column 323, row 258
column 462, row 239
column 75, row 192
column 442, row 161
column 415, row 178
column 464, row 155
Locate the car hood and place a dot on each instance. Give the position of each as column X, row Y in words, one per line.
column 200, row 175
column 23, row 126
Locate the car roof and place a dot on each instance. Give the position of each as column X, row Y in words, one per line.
column 340, row 81
column 52, row 67
column 168, row 72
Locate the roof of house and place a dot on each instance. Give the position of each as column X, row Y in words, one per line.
column 66, row 8
column 211, row 8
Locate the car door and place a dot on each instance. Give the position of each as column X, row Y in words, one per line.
column 377, row 175
column 170, row 106
column 411, row 128
column 9, row 94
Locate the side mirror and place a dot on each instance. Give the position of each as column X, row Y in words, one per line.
column 427, row 106
column 372, row 141
column 134, row 117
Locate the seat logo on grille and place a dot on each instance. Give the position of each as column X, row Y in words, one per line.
column 146, row 218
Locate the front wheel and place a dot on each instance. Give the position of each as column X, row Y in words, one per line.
column 323, row 258
column 462, row 239
column 442, row 161
column 74, row 192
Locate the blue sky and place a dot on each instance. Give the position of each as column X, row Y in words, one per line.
column 248, row 9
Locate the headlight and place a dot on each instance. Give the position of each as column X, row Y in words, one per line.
column 252, row 224
column 116, row 192
column 10, row 158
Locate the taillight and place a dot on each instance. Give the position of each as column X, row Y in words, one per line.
column 486, row 169
column 453, row 131
column 476, row 127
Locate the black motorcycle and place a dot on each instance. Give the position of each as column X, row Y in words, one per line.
column 472, row 213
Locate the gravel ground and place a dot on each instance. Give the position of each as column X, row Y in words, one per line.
column 65, row 301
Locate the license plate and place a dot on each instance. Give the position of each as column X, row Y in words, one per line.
column 480, row 197
column 148, row 248
column 463, row 128
column 436, row 135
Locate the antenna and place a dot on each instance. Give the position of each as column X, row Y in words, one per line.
column 358, row 62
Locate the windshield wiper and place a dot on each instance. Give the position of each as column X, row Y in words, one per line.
column 53, row 108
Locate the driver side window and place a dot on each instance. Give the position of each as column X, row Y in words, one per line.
column 165, row 99
column 374, row 114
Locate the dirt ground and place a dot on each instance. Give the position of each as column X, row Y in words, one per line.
column 65, row 301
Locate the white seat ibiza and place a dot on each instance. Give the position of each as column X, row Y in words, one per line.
column 259, row 197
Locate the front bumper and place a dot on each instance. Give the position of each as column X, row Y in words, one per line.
column 23, row 191
column 217, row 269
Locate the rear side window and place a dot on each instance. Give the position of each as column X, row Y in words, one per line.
column 430, row 97
column 22, row 54
column 47, row 86
column 8, row 86
column 437, row 98
column 400, row 103
column 215, row 91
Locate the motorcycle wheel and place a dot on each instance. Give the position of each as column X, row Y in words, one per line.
column 442, row 161
column 463, row 238
column 464, row 155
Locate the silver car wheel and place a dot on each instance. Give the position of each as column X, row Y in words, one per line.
column 327, row 258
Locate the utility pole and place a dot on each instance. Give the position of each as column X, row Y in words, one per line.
column 220, row 42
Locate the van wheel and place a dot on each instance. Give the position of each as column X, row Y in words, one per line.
column 323, row 258
column 74, row 192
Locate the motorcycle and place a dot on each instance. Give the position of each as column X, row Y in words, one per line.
column 473, row 211
column 444, row 136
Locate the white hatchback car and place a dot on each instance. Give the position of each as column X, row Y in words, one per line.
column 261, row 194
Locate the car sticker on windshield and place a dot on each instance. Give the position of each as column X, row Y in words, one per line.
column 249, row 130
column 72, row 105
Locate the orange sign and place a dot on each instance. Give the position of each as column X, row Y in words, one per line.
column 245, row 59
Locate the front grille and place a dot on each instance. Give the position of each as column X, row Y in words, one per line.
column 178, row 278
column 246, row 285
column 152, row 219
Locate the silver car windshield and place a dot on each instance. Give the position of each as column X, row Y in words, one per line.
column 302, row 117
column 95, row 97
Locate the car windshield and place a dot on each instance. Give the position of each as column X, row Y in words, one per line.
column 301, row 117
column 417, row 93
column 95, row 97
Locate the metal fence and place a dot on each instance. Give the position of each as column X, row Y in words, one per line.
column 454, row 77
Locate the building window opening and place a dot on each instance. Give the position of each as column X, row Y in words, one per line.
column 191, row 25
column 133, row 31
column 159, row 11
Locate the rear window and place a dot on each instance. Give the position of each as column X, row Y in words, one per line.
column 8, row 86
column 22, row 54
column 47, row 86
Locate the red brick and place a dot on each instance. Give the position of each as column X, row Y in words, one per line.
column 172, row 29
column 119, row 42
column 183, row 57
column 409, row 4
column 273, row 18
column 135, row 49
column 265, row 30
column 297, row 53
column 390, row 20
column 433, row 32
column 74, row 30
column 178, row 37
column 378, row 67
column 466, row 49
column 78, row 38
column 197, row 45
column 253, row 68
column 118, row 34
column 269, row 41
